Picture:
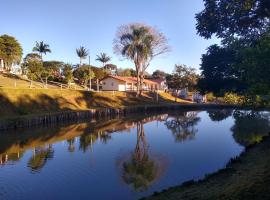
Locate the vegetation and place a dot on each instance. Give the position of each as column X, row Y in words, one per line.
column 240, row 64
column 82, row 53
column 42, row 48
column 183, row 77
column 10, row 51
column 103, row 58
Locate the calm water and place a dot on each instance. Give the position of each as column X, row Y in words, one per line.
column 123, row 158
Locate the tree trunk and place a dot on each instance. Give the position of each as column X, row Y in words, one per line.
column 138, row 84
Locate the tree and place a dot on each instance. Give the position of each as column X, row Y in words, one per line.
column 111, row 68
column 68, row 74
column 10, row 51
column 104, row 58
column 126, row 72
column 183, row 77
column 219, row 74
column 51, row 69
column 84, row 73
column 42, row 48
column 247, row 19
column 35, row 70
column 159, row 74
column 82, row 53
column 31, row 57
column 141, row 44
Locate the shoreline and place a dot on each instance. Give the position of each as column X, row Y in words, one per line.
column 245, row 177
column 28, row 121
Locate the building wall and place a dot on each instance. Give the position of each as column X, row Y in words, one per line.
column 113, row 84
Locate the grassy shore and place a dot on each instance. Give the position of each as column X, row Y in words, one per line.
column 244, row 178
column 22, row 102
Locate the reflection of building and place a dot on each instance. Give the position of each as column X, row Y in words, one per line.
column 4, row 158
column 1, row 64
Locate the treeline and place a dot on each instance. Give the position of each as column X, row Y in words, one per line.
column 241, row 63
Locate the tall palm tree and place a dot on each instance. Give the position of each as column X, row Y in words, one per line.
column 82, row 53
column 42, row 48
column 104, row 58
column 137, row 46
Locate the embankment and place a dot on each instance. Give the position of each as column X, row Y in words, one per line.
column 26, row 107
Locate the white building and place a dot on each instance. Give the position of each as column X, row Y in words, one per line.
column 119, row 83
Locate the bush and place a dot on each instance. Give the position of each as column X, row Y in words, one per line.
column 235, row 99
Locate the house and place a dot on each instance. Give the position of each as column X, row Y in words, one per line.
column 124, row 83
column 162, row 84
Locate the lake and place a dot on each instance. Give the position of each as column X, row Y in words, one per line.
column 123, row 158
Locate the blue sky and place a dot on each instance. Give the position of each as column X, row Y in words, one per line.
column 67, row 24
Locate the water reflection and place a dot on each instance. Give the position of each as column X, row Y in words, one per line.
column 144, row 153
column 182, row 125
column 250, row 126
column 40, row 157
column 219, row 115
column 139, row 170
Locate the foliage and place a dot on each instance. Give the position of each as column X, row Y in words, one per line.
column 248, row 18
column 218, row 72
column 110, row 68
column 140, row 43
column 232, row 98
column 42, row 48
column 68, row 73
column 219, row 115
column 35, row 70
column 104, row 58
column 159, row 74
column 126, row 72
column 10, row 51
column 183, row 77
column 250, row 126
column 99, row 73
column 82, row 53
column 84, row 73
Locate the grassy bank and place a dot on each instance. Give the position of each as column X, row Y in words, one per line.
column 246, row 177
column 23, row 102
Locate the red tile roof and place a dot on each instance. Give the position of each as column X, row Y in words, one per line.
column 130, row 79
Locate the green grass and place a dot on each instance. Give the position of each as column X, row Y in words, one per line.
column 245, row 178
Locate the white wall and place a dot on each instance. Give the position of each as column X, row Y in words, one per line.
column 113, row 84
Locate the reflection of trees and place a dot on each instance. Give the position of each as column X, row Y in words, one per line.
column 182, row 125
column 86, row 141
column 250, row 126
column 40, row 157
column 139, row 170
column 219, row 115
column 71, row 146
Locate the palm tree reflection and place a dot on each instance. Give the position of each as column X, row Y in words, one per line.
column 139, row 170
column 182, row 125
column 40, row 157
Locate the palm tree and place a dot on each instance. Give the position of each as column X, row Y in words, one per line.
column 82, row 53
column 42, row 48
column 137, row 46
column 104, row 58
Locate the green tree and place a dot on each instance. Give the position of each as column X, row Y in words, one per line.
column 42, row 48
column 103, row 58
column 82, row 53
column 84, row 73
column 51, row 69
column 247, row 18
column 126, row 72
column 31, row 57
column 183, row 77
column 158, row 74
column 10, row 51
column 219, row 74
column 67, row 72
column 141, row 44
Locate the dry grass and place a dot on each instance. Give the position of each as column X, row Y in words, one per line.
column 15, row 102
